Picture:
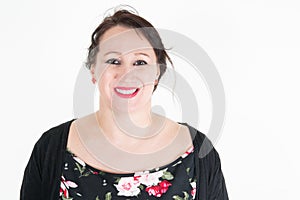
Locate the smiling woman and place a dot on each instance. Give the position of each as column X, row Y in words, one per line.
column 126, row 66
column 124, row 150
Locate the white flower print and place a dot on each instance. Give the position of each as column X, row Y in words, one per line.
column 128, row 186
column 150, row 179
column 65, row 185
column 193, row 192
column 79, row 161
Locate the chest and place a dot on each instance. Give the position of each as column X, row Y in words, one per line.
column 176, row 180
column 102, row 154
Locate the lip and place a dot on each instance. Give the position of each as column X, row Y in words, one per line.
column 127, row 95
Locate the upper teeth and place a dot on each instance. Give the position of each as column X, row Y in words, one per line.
column 125, row 91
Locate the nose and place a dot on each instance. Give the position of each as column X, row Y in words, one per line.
column 124, row 71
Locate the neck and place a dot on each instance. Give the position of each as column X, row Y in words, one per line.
column 115, row 121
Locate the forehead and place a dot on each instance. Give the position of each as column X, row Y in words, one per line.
column 124, row 40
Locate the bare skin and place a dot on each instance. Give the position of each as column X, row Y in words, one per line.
column 117, row 59
column 128, row 144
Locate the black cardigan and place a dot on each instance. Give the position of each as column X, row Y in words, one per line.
column 42, row 174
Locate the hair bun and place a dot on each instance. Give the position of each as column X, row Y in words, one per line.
column 124, row 8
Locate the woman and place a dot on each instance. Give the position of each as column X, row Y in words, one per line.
column 123, row 151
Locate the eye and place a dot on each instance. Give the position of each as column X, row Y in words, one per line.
column 140, row 62
column 113, row 61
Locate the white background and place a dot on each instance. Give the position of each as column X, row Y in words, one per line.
column 254, row 44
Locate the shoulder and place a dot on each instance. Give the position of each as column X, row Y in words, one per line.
column 56, row 134
column 197, row 136
column 209, row 163
column 43, row 167
column 50, row 146
column 202, row 144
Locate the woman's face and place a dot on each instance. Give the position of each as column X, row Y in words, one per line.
column 125, row 69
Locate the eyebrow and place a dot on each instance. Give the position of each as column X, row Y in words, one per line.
column 140, row 53
column 118, row 53
column 112, row 52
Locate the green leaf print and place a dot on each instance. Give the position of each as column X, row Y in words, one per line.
column 80, row 169
column 64, row 198
column 108, row 196
column 117, row 180
column 141, row 187
column 167, row 175
column 176, row 197
column 186, row 196
column 97, row 198
column 86, row 174
column 188, row 170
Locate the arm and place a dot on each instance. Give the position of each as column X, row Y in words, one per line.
column 211, row 183
column 216, row 182
column 42, row 174
column 32, row 180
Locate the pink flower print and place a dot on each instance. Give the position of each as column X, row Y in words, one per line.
column 164, row 185
column 193, row 191
column 150, row 179
column 154, row 190
column 64, row 186
column 128, row 186
column 158, row 190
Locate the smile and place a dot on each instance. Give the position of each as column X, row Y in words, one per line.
column 126, row 92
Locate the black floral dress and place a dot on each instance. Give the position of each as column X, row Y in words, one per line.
column 173, row 181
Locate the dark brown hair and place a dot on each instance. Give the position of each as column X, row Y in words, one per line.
column 130, row 20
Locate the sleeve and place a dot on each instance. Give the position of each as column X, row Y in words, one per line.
column 43, row 171
column 216, row 182
column 211, row 184
column 32, row 180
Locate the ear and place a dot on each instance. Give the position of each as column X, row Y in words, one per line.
column 158, row 72
column 92, row 70
column 157, row 75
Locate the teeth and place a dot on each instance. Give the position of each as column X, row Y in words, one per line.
column 126, row 91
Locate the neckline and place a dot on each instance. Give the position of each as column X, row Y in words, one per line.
column 192, row 132
column 177, row 161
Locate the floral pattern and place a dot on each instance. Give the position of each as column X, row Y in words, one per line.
column 174, row 181
column 158, row 190
column 128, row 186
column 64, row 187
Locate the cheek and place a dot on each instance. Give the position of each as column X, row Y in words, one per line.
column 101, row 70
column 147, row 92
column 105, row 81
